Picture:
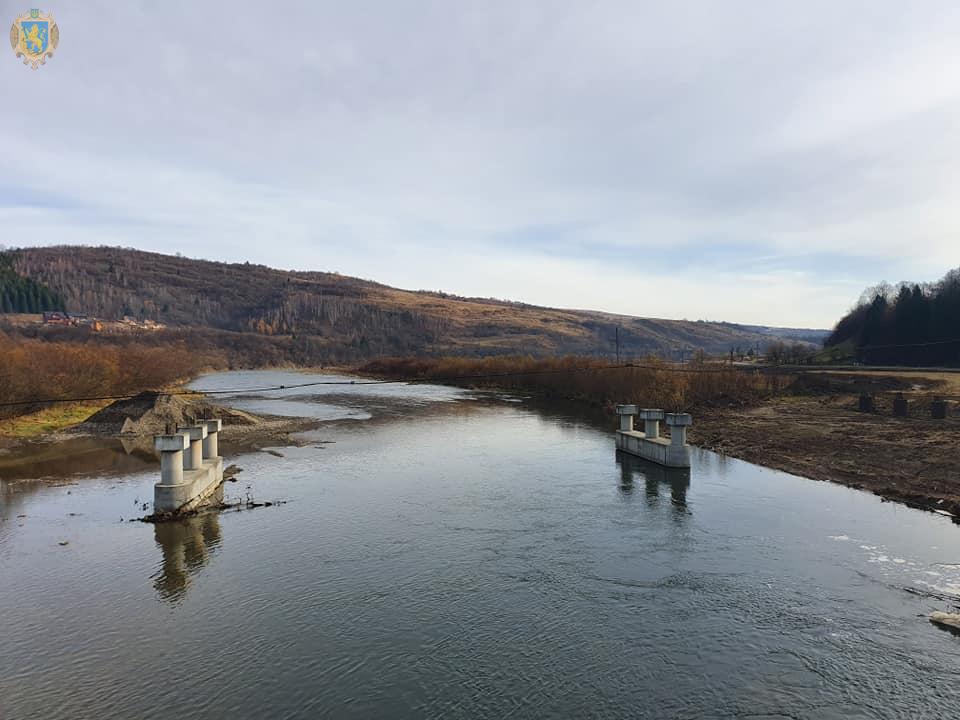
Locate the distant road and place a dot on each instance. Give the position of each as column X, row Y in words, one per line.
column 848, row 368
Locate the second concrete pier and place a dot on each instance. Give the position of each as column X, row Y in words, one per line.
column 672, row 452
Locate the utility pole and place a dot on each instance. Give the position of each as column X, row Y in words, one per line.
column 618, row 344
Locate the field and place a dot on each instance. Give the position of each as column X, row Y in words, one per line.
column 52, row 419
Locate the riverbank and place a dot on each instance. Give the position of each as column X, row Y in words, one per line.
column 135, row 421
column 806, row 423
column 911, row 460
column 107, row 418
column 817, row 432
column 811, row 429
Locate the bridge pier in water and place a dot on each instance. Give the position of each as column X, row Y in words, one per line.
column 672, row 452
column 191, row 468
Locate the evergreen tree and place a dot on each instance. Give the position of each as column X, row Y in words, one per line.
column 19, row 294
column 915, row 325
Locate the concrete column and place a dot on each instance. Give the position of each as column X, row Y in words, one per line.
column 651, row 422
column 678, row 424
column 193, row 460
column 171, row 449
column 626, row 413
column 211, row 445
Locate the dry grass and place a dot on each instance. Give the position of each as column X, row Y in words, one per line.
column 52, row 419
column 34, row 371
column 654, row 383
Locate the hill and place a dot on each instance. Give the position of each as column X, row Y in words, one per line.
column 805, row 335
column 348, row 318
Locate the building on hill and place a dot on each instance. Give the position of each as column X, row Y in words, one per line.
column 55, row 317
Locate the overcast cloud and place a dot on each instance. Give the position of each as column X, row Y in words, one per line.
column 755, row 162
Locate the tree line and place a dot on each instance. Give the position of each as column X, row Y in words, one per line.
column 907, row 324
column 20, row 294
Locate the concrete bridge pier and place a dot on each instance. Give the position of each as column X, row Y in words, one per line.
column 191, row 468
column 211, row 444
column 171, row 449
column 626, row 413
column 678, row 454
column 651, row 422
column 193, row 460
column 649, row 445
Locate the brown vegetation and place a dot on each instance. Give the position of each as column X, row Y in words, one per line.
column 34, row 369
column 651, row 382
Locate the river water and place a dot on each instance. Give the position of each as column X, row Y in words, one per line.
column 457, row 555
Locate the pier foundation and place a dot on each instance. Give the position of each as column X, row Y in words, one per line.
column 672, row 452
column 191, row 469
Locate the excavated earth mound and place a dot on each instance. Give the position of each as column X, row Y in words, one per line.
column 155, row 414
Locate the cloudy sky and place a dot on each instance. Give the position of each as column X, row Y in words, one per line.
column 756, row 162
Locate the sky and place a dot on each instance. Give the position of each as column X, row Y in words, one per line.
column 755, row 162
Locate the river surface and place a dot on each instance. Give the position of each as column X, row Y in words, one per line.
column 448, row 554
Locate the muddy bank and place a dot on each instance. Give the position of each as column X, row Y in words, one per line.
column 119, row 438
column 140, row 418
column 907, row 459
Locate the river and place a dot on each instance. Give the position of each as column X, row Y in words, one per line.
column 443, row 553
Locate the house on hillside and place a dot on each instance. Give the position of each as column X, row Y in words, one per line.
column 72, row 319
column 55, row 317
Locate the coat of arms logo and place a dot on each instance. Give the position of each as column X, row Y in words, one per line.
column 34, row 36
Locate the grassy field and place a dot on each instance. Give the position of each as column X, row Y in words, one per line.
column 52, row 419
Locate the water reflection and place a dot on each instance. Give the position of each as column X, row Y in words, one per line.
column 76, row 456
column 187, row 546
column 655, row 477
column 714, row 463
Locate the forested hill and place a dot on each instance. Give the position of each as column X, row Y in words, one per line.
column 357, row 318
column 909, row 324
column 20, row 294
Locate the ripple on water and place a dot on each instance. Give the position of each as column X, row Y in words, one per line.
column 476, row 559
